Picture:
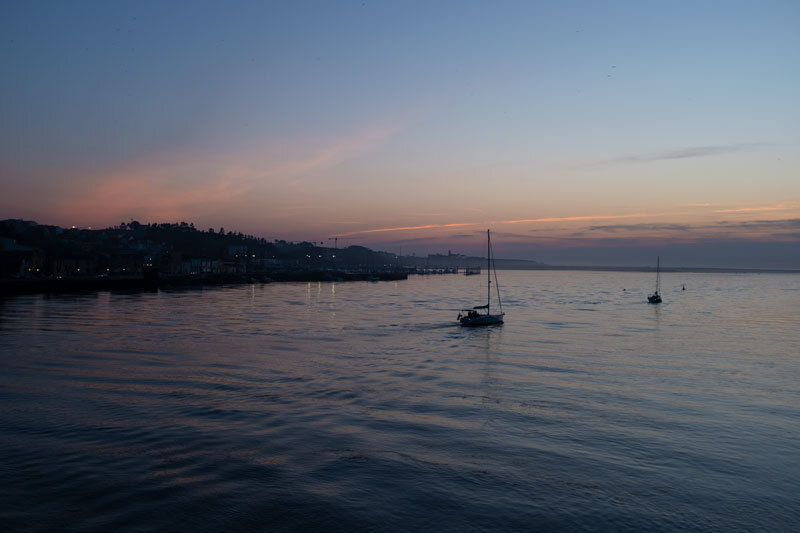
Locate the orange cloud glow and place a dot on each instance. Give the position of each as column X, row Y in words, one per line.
column 402, row 228
column 780, row 207
column 572, row 219
column 494, row 222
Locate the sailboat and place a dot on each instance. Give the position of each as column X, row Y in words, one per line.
column 481, row 315
column 655, row 298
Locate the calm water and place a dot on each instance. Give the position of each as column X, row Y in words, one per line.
column 361, row 406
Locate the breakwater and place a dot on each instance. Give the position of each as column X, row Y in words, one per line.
column 152, row 281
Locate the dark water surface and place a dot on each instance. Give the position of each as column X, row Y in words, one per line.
column 362, row 406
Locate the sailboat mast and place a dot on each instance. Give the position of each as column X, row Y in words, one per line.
column 658, row 272
column 488, row 272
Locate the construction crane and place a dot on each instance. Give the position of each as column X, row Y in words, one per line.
column 336, row 241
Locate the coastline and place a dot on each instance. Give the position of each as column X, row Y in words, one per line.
column 154, row 281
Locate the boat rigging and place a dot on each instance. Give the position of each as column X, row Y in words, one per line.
column 655, row 298
column 475, row 316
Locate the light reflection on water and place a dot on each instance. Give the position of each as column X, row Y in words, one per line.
column 362, row 405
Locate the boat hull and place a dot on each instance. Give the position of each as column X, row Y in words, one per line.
column 482, row 320
column 655, row 299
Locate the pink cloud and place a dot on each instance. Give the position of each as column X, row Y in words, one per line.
column 192, row 184
column 779, row 207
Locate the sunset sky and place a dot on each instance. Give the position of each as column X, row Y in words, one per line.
column 580, row 132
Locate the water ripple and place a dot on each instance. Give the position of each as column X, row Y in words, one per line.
column 363, row 406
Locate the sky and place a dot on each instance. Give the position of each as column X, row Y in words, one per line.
column 580, row 132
